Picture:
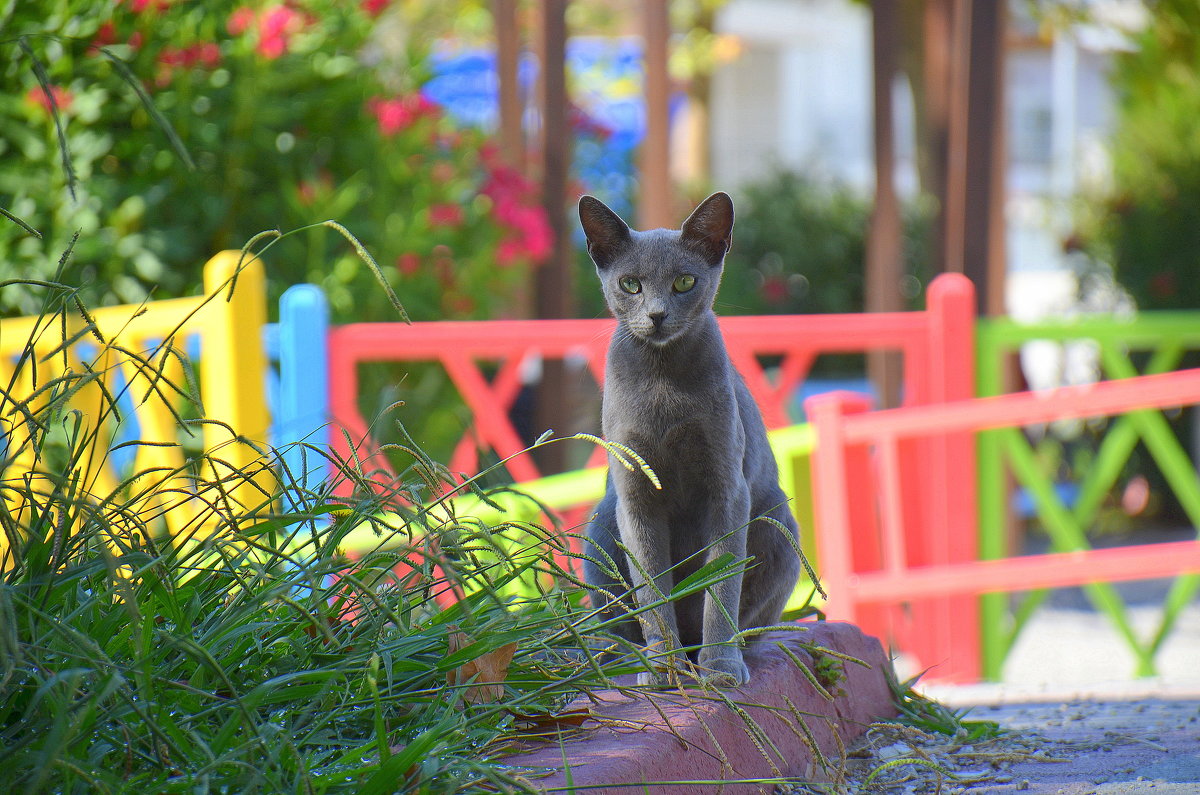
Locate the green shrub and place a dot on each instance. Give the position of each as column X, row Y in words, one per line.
column 799, row 246
column 1150, row 227
column 291, row 113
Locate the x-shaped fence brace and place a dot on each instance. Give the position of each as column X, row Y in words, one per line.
column 1066, row 525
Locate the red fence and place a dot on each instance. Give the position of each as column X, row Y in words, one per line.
column 937, row 347
column 877, row 565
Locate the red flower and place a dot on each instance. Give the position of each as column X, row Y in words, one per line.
column 207, row 54
column 62, row 98
column 105, row 35
column 172, row 59
column 397, row 115
column 240, row 21
column 408, row 263
column 308, row 190
column 445, row 215
column 374, row 8
column 138, row 6
column 1163, row 285
column 774, row 290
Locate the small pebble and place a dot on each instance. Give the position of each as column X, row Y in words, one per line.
column 1023, row 784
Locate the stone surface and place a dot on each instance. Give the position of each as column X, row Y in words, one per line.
column 698, row 738
column 1109, row 747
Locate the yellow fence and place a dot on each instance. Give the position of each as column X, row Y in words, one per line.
column 134, row 357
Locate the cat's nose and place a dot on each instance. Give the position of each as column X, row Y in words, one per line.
column 657, row 319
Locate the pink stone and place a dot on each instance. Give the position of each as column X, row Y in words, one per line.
column 694, row 736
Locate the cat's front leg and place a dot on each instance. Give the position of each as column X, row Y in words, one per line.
column 721, row 662
column 645, row 535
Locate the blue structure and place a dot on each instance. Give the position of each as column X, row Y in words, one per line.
column 608, row 115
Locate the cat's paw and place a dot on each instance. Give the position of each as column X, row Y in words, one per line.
column 727, row 669
column 657, row 678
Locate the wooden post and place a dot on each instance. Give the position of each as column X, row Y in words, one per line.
column 654, row 208
column 508, row 50
column 552, row 280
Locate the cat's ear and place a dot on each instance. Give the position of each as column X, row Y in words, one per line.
column 607, row 234
column 709, row 229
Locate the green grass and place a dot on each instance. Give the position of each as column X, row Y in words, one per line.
column 250, row 653
column 255, row 656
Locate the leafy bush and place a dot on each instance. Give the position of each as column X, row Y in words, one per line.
column 292, row 113
column 799, row 246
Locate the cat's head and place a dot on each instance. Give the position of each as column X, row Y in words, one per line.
column 656, row 282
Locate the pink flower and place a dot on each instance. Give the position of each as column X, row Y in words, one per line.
column 445, row 215
column 528, row 236
column 275, row 29
column 509, row 252
column 240, row 21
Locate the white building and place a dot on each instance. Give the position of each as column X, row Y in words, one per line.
column 799, row 97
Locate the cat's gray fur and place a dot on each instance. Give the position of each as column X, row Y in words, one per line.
column 672, row 395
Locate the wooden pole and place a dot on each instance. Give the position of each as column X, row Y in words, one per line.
column 936, row 41
column 957, row 109
column 654, row 209
column 885, row 255
column 983, row 218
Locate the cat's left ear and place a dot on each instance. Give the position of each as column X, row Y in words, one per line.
column 709, row 229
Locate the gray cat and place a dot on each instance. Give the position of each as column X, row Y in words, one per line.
column 672, row 395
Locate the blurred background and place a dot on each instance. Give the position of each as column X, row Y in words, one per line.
column 1048, row 150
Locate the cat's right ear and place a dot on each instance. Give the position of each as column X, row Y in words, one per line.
column 607, row 234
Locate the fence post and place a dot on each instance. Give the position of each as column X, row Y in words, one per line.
column 835, row 528
column 948, row 482
column 303, row 391
column 233, row 367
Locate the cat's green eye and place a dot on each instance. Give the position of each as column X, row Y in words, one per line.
column 684, row 283
column 630, row 285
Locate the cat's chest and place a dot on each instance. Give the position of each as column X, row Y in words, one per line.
column 666, row 417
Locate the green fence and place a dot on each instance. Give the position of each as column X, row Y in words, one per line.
column 1160, row 339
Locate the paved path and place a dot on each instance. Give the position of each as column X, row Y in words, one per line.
column 1069, row 679
column 1117, row 738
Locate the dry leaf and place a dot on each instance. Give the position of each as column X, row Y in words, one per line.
column 484, row 675
column 540, row 723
